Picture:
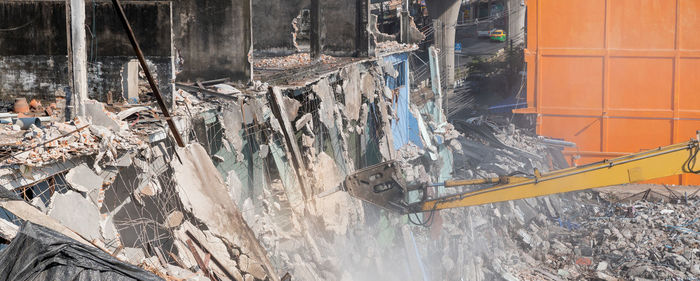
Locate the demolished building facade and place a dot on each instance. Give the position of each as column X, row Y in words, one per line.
column 239, row 201
column 270, row 130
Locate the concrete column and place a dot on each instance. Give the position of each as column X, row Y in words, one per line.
column 79, row 56
column 363, row 45
column 69, row 111
column 405, row 23
column 405, row 27
column 132, row 81
column 516, row 22
column 446, row 12
column 315, row 29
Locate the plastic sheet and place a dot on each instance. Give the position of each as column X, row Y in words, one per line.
column 38, row 253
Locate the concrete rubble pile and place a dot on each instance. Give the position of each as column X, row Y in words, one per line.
column 477, row 243
column 145, row 203
column 292, row 61
column 257, row 155
column 337, row 237
column 100, row 132
column 586, row 235
column 653, row 239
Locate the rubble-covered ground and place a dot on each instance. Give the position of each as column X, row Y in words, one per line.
column 652, row 237
column 614, row 233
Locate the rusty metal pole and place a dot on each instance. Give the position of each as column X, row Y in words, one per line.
column 142, row 61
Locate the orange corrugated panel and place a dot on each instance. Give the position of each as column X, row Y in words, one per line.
column 615, row 76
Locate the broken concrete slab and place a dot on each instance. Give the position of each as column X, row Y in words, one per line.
column 351, row 91
column 339, row 210
column 291, row 107
column 327, row 107
column 122, row 161
column 232, row 121
column 203, row 193
column 83, row 179
column 27, row 212
column 235, row 187
column 368, row 86
column 174, row 219
column 303, row 120
column 97, row 115
column 77, row 213
column 8, row 230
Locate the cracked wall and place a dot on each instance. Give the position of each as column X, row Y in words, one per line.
column 338, row 34
column 33, row 49
column 213, row 39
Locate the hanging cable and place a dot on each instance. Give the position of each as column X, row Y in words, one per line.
column 690, row 163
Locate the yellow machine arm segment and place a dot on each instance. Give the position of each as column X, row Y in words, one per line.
column 662, row 162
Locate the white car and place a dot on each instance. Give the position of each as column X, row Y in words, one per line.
column 485, row 33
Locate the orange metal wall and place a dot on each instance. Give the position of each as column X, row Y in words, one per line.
column 615, row 76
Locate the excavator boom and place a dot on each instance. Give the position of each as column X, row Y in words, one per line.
column 371, row 186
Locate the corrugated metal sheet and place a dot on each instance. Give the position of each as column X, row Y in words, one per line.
column 615, row 76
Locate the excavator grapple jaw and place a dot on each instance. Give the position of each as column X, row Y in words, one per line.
column 382, row 184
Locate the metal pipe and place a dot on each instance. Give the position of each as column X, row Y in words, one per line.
column 144, row 66
column 556, row 142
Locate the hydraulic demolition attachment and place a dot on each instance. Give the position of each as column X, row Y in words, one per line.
column 384, row 185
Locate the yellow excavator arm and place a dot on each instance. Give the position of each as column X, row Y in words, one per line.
column 384, row 186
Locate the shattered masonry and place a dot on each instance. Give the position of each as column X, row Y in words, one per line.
column 242, row 189
column 252, row 194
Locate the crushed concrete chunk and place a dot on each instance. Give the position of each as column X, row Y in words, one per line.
column 134, row 255
column 352, row 92
column 243, row 262
column 174, row 219
column 83, row 179
column 257, row 271
column 303, row 120
column 232, row 121
column 291, row 107
column 602, row 266
column 96, row 112
column 323, row 90
column 237, row 276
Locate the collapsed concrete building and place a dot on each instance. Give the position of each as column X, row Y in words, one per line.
column 273, row 114
column 239, row 200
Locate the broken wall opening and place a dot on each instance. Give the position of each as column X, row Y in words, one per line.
column 213, row 39
column 302, row 30
column 275, row 37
